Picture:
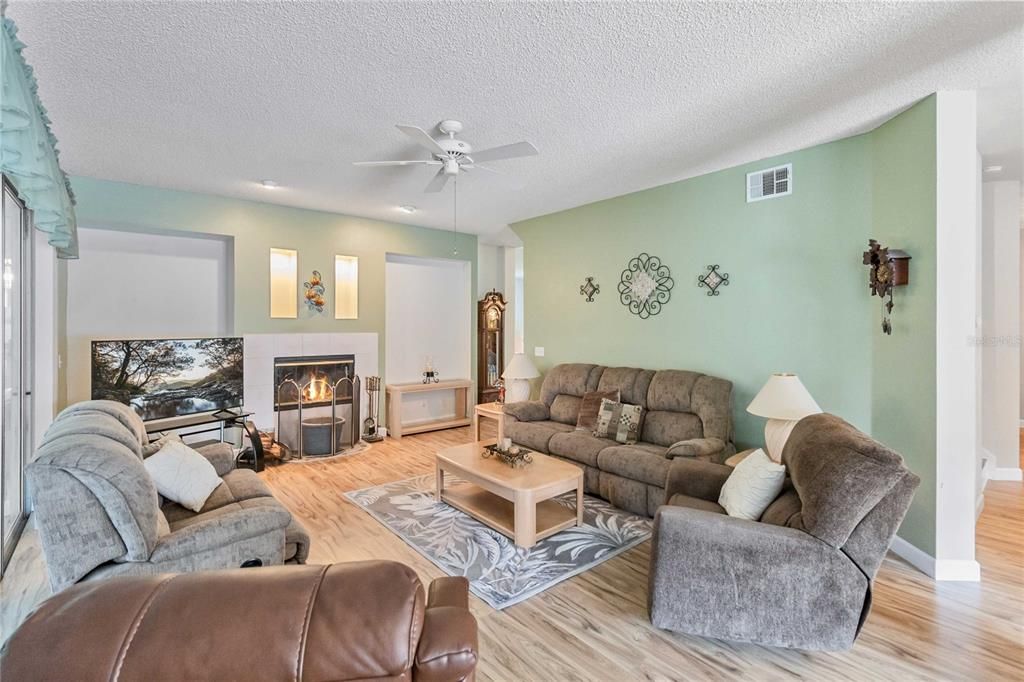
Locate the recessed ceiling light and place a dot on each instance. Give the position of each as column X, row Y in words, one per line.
column 993, row 169
column 269, row 184
column 407, row 209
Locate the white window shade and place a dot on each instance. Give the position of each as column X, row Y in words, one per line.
column 284, row 283
column 346, row 287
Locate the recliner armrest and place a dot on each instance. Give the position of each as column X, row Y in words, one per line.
column 696, row 478
column 715, row 575
column 696, row 447
column 220, row 455
column 447, row 649
column 528, row 411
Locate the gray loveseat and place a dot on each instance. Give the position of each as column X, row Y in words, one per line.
column 99, row 515
column 690, row 410
column 800, row 576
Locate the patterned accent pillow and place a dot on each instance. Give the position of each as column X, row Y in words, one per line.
column 589, row 407
column 620, row 421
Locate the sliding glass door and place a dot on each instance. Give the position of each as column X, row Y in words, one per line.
column 15, row 368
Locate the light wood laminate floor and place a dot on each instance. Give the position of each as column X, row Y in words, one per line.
column 594, row 626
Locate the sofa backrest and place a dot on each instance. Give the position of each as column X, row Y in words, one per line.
column 563, row 388
column 845, row 488
column 682, row 405
column 94, row 500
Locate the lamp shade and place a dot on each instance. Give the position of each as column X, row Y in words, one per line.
column 520, row 367
column 783, row 397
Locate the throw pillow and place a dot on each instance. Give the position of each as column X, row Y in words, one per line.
column 183, row 475
column 590, row 406
column 620, row 421
column 752, row 486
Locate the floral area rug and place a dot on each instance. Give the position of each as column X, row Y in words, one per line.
column 499, row 572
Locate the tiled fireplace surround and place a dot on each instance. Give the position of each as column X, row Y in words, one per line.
column 261, row 349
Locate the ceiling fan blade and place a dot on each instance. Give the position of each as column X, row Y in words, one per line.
column 423, row 139
column 410, row 162
column 438, row 183
column 505, row 151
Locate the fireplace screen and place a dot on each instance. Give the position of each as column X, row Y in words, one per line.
column 317, row 404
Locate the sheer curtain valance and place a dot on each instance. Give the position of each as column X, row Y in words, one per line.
column 28, row 150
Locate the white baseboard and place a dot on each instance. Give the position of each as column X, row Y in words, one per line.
column 1006, row 474
column 918, row 558
column 939, row 569
column 962, row 570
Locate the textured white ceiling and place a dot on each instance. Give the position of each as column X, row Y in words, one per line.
column 618, row 96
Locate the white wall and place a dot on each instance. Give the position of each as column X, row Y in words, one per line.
column 134, row 285
column 429, row 314
column 1000, row 348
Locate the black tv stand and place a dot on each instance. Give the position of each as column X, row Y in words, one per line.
column 219, row 421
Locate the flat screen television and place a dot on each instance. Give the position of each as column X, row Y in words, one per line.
column 163, row 378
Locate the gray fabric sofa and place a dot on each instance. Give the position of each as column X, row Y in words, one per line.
column 690, row 410
column 799, row 577
column 99, row 515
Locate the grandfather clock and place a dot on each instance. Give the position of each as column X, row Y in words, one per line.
column 491, row 347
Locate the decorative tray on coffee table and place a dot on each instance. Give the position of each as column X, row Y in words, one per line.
column 514, row 457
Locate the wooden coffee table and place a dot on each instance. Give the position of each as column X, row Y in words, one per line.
column 513, row 501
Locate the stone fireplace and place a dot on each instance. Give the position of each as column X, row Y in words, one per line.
column 316, row 403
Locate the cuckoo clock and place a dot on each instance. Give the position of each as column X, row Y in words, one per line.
column 890, row 268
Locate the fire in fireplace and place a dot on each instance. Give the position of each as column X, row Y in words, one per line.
column 317, row 403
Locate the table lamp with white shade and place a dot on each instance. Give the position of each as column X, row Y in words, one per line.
column 784, row 401
column 517, row 377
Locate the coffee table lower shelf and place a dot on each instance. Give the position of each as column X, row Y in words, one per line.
column 495, row 511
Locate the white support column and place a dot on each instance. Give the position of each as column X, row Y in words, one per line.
column 44, row 336
column 955, row 334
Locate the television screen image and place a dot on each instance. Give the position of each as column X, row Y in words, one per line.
column 169, row 377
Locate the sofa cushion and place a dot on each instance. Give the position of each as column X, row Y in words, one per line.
column 644, row 462
column 666, row 428
column 630, row 382
column 566, row 409
column 680, row 500
column 579, row 446
column 239, row 485
column 569, row 379
column 527, row 411
column 75, row 424
column 535, row 435
column 839, row 473
column 670, row 390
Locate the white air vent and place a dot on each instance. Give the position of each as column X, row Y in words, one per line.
column 770, row 183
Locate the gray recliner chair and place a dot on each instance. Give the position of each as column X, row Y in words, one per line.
column 99, row 515
column 799, row 577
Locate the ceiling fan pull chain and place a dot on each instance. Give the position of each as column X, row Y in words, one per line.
column 455, row 216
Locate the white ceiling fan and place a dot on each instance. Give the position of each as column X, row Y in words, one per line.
column 453, row 155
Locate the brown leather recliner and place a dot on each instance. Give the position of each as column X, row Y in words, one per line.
column 351, row 621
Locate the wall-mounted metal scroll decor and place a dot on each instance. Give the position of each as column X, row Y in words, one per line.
column 315, row 292
column 713, row 279
column 645, row 285
column 589, row 289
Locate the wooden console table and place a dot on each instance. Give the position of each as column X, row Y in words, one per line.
column 396, row 429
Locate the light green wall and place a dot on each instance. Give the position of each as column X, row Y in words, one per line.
column 255, row 228
column 797, row 299
column 903, row 402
